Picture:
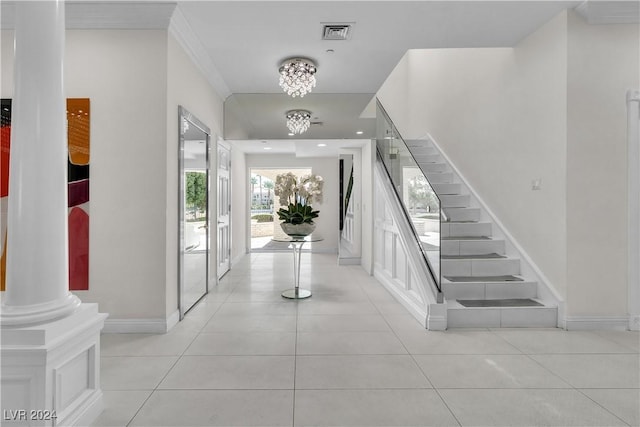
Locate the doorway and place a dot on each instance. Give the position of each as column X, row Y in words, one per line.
column 263, row 208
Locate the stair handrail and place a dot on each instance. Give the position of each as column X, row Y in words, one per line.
column 433, row 271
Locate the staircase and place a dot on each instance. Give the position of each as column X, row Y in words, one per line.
column 481, row 280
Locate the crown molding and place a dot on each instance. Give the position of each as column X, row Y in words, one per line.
column 138, row 15
column 180, row 29
column 610, row 12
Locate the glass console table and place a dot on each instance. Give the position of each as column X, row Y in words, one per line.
column 296, row 243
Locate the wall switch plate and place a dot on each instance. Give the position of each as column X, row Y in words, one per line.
column 536, row 184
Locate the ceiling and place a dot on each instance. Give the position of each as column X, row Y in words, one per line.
column 239, row 45
column 246, row 42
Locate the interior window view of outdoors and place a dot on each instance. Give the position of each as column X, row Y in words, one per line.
column 263, row 207
column 424, row 207
column 196, row 214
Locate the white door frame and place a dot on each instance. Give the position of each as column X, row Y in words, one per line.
column 633, row 261
column 223, row 208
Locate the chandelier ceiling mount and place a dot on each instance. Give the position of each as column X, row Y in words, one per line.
column 297, row 76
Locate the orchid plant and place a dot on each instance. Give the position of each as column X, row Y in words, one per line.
column 297, row 194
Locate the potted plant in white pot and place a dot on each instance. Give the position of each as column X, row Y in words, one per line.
column 297, row 194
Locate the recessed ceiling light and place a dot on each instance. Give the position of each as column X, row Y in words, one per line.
column 291, row 134
column 359, row 132
column 267, row 148
column 322, row 145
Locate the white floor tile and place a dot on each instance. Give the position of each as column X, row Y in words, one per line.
column 173, row 343
column 371, row 408
column 251, row 323
column 594, row 370
column 344, row 353
column 540, row 407
column 358, row 371
column 349, row 343
column 134, row 373
column 403, row 322
column 390, row 307
column 247, row 295
column 120, row 407
column 487, row 371
column 624, row 403
column 200, row 408
column 342, row 323
column 231, row 372
column 629, row 339
column 243, row 343
column 242, row 309
column 311, row 306
column 455, row 341
column 558, row 341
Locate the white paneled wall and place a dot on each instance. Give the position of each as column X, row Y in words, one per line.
column 399, row 268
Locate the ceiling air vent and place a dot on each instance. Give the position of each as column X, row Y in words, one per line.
column 317, row 123
column 336, row 31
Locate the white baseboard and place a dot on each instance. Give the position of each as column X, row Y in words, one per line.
column 581, row 323
column 437, row 317
column 389, row 284
column 349, row 261
column 173, row 320
column 140, row 326
column 324, row 251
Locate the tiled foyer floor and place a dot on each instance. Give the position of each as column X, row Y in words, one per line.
column 350, row 355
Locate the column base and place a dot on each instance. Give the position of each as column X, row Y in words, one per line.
column 51, row 371
column 23, row 315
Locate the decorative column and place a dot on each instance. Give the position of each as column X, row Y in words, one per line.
column 50, row 348
column 37, row 236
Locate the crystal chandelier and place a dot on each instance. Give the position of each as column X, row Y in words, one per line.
column 298, row 121
column 297, row 76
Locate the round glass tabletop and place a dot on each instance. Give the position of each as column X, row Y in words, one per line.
column 309, row 238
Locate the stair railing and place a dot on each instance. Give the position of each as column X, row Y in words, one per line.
column 413, row 191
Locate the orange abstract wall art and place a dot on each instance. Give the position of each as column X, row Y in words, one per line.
column 79, row 131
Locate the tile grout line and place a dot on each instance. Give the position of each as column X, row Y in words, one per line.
column 444, row 402
column 177, row 360
column 570, row 386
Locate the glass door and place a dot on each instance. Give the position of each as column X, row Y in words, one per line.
column 194, row 211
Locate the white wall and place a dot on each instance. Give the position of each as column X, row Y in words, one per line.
column 366, row 251
column 239, row 205
column 327, row 224
column 395, row 95
column 551, row 108
column 124, row 75
column 188, row 87
column 603, row 64
column 500, row 115
column 135, row 79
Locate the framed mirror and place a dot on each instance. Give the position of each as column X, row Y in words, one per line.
column 193, row 266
